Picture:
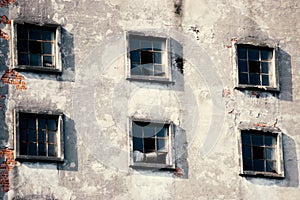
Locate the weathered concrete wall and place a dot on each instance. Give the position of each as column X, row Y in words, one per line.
column 97, row 100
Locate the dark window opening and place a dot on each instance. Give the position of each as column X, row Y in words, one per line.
column 150, row 142
column 254, row 65
column 259, row 151
column 36, row 45
column 39, row 135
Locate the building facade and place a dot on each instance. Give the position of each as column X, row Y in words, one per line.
column 160, row 99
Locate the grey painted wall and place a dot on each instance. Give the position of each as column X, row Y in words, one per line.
column 97, row 99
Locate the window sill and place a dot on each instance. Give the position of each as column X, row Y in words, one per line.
column 152, row 166
column 39, row 159
column 150, row 79
column 262, row 174
column 38, row 69
column 257, row 87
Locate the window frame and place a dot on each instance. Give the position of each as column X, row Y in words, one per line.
column 273, row 70
column 60, row 136
column 170, row 164
column 162, row 79
column 279, row 154
column 57, row 68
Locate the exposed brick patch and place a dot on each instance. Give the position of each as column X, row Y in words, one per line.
column 13, row 77
column 6, row 165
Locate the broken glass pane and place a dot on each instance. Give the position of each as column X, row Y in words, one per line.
column 258, row 152
column 254, row 66
column 149, row 145
column 35, row 47
column 23, row 135
column 146, row 57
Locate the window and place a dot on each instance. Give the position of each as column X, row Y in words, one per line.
column 148, row 57
column 151, row 144
column 261, row 153
column 37, row 47
column 39, row 136
column 256, row 66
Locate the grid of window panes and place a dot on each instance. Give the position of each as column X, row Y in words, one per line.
column 36, row 45
column 151, row 140
column 254, row 65
column 38, row 135
column 259, row 151
column 147, row 56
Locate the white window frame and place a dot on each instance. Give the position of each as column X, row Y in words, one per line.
column 273, row 71
column 279, row 154
column 57, row 68
column 59, row 137
column 170, row 162
column 167, row 78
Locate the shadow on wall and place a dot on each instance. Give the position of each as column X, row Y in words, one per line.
column 285, row 75
column 290, row 164
column 68, row 56
column 70, row 149
column 181, row 153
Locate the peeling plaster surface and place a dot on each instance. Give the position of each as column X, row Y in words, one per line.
column 97, row 100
